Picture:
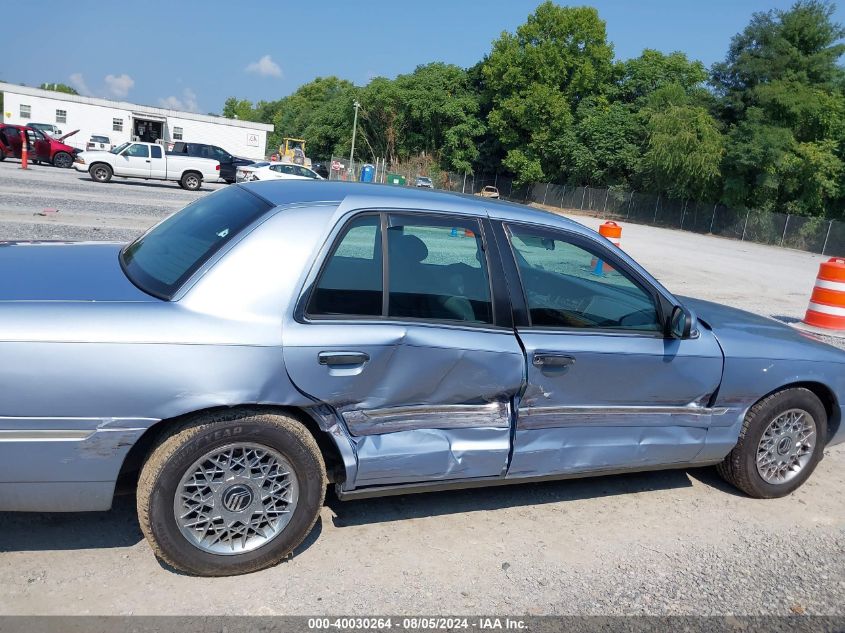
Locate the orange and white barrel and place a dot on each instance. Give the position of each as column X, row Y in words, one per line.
column 827, row 303
column 613, row 232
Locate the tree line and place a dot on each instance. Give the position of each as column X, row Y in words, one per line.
column 764, row 129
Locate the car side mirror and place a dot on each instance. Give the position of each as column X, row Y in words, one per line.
column 682, row 323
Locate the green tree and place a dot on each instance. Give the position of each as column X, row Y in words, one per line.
column 609, row 136
column 536, row 78
column 441, row 111
column 684, row 148
column 607, row 143
column 782, row 95
column 59, row 88
column 235, row 108
column 319, row 111
column 638, row 78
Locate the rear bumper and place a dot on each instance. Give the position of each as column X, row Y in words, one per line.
column 63, row 465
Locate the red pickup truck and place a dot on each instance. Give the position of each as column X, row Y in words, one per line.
column 42, row 147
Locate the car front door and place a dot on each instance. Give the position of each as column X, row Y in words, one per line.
column 607, row 390
column 414, row 353
column 39, row 146
column 134, row 161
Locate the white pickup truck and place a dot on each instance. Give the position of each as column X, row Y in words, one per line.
column 148, row 161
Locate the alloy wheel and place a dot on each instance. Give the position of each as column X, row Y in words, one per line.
column 786, row 446
column 236, row 498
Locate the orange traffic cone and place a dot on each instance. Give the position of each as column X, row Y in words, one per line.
column 827, row 304
column 613, row 232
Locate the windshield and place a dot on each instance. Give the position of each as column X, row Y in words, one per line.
column 165, row 257
column 119, row 148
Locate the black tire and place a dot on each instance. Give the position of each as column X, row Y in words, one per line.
column 191, row 181
column 63, row 160
column 100, row 172
column 181, row 448
column 740, row 466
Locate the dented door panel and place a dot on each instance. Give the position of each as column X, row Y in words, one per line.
column 624, row 401
column 431, row 402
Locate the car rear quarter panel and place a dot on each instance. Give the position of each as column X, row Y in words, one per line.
column 96, row 375
column 74, row 405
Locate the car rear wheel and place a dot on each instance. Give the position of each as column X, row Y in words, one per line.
column 100, row 172
column 781, row 443
column 62, row 160
column 191, row 181
column 231, row 493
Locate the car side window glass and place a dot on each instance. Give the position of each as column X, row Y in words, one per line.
column 138, row 150
column 569, row 286
column 156, row 151
column 351, row 280
column 437, row 269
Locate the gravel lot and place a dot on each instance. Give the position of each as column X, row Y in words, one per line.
column 673, row 542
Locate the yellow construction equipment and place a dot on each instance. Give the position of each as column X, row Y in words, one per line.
column 292, row 150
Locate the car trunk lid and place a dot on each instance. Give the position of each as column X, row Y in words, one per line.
column 64, row 271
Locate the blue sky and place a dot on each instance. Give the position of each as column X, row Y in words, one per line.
column 193, row 55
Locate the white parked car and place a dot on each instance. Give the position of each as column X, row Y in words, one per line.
column 276, row 171
column 99, row 142
column 147, row 161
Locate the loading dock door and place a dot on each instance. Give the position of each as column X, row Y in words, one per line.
column 147, row 129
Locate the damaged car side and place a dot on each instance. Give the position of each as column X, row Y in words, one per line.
column 275, row 337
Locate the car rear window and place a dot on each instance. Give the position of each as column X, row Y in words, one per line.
column 99, row 139
column 165, row 257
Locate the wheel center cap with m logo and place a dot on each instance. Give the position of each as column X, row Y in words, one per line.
column 237, row 498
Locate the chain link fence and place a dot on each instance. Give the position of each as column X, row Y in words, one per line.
column 816, row 235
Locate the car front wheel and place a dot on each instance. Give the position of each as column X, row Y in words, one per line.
column 781, row 443
column 62, row 160
column 100, row 172
column 232, row 493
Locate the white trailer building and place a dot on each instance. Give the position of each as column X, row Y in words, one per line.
column 121, row 121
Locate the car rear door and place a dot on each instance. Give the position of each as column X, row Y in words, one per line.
column 12, row 140
column 158, row 163
column 606, row 389
column 414, row 352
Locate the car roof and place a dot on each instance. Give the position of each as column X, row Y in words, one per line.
column 298, row 192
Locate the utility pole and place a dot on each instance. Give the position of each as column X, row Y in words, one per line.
column 354, row 131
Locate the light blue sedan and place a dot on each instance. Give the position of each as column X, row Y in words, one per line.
column 275, row 337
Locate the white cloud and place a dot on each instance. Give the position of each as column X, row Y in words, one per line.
column 120, row 85
column 77, row 81
column 265, row 67
column 187, row 102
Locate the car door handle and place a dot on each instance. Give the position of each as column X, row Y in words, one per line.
column 147, row 161
column 546, row 359
column 342, row 358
